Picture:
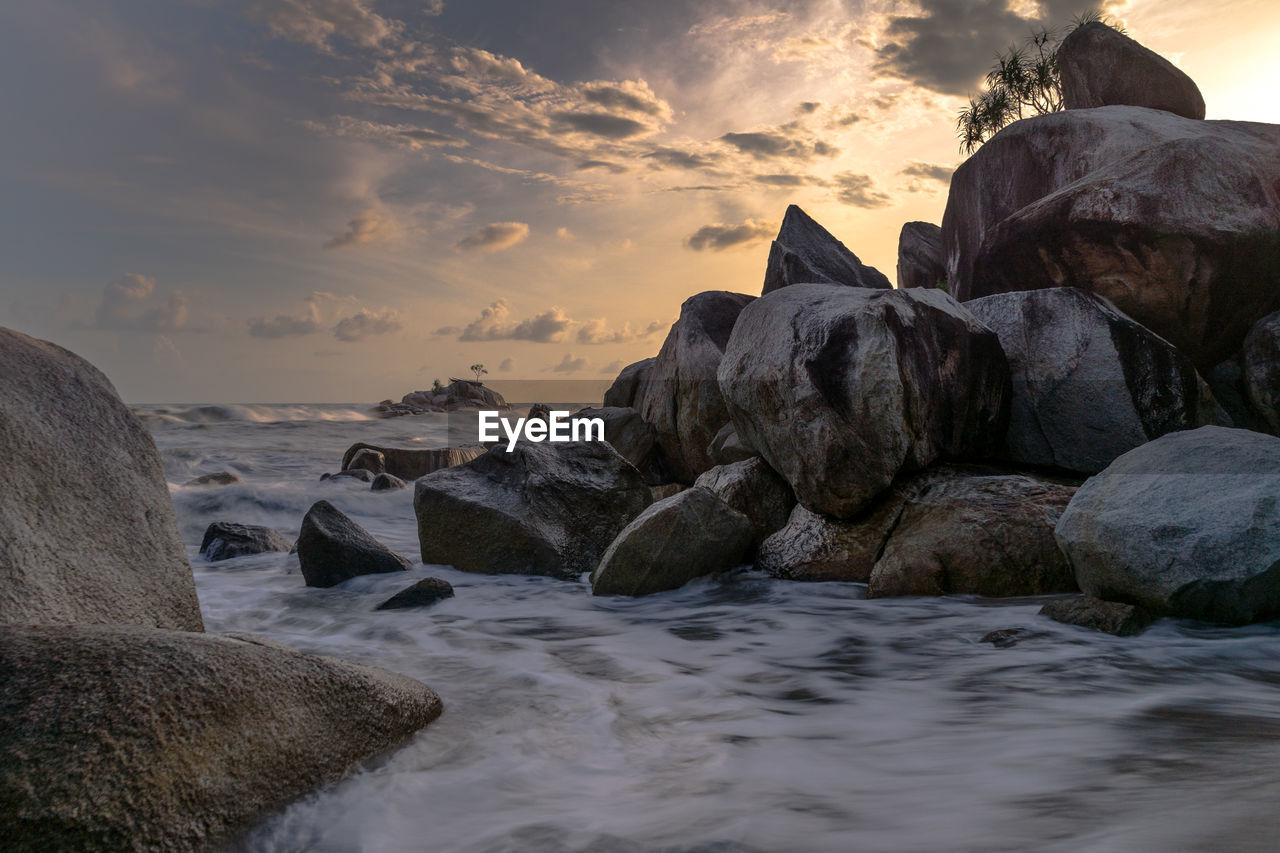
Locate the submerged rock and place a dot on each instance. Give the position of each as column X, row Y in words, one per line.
column 1186, row 525
column 387, row 483
column 805, row 252
column 87, row 531
column 542, row 509
column 1102, row 67
column 842, row 388
column 332, row 548
column 922, row 262
column 623, row 391
column 1088, row 382
column 1111, row 617
column 224, row 540
column 218, row 478
column 125, row 738
column 681, row 397
column 360, row 474
column 686, row 536
column 412, row 463
column 425, row 592
column 753, row 489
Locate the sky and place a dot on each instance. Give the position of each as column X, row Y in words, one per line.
column 341, row 200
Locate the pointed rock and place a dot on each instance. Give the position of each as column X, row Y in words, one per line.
column 332, row 548
column 922, row 262
column 805, row 252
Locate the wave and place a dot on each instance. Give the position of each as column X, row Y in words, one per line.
column 244, row 413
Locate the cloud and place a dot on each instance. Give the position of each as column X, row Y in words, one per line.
column 282, row 326
column 598, row 332
column 858, row 190
column 627, row 95
column 493, row 324
column 317, row 22
column 718, row 236
column 678, row 159
column 447, row 330
column 507, row 366
column 565, row 234
column 928, row 171
column 569, row 364
column 607, row 125
column 425, row 136
column 365, row 324
column 494, row 237
column 127, row 304
column 370, row 227
column 781, row 180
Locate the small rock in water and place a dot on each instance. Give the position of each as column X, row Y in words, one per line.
column 362, row 474
column 332, row 548
column 218, row 478
column 368, row 459
column 424, row 592
column 224, row 540
column 1112, row 617
column 1006, row 637
column 387, row 482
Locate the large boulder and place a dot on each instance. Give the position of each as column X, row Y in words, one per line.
column 1175, row 221
column 1186, row 525
column 412, row 463
column 922, row 262
column 541, row 509
column 753, row 489
column 87, row 530
column 686, row 536
column 680, row 397
column 1102, row 67
column 815, row 547
column 622, row 393
column 804, row 251
column 728, row 447
column 1088, row 382
column 1261, row 370
column 629, row 434
column 842, row 388
column 332, row 548
column 133, row 739
column 224, row 540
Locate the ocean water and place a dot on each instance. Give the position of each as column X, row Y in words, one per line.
column 736, row 714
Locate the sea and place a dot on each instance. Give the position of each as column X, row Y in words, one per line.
column 740, row 713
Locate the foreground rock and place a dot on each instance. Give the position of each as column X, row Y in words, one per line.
column 1186, row 525
column 804, row 251
column 686, row 536
column 840, row 389
column 87, row 531
column 816, row 547
column 1175, row 221
column 753, row 489
column 922, row 262
column 542, row 509
column 1088, row 382
column 225, row 540
column 681, row 397
column 1261, row 370
column 218, row 478
column 1101, row 67
column 411, row 463
column 622, row 393
column 332, row 548
column 122, row 738
column 1111, row 617
column 423, row 593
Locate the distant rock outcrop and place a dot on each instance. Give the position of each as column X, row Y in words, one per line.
column 459, row 394
column 805, row 252
column 922, row 262
column 1102, row 67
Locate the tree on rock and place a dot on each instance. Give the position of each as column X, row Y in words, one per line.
column 478, row 370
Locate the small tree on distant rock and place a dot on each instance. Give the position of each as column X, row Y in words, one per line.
column 437, row 386
column 478, row 370
column 1024, row 82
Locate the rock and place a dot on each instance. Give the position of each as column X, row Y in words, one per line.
column 840, row 389
column 133, row 739
column 976, row 534
column 332, row 548
column 1261, row 370
column 542, row 509
column 424, row 592
column 360, row 474
column 728, row 447
column 805, row 252
column 458, row 394
column 218, row 478
column 681, row 397
column 369, row 459
column 922, row 262
column 1007, row 638
column 1102, row 67
column 224, row 540
column 1175, row 221
column 412, row 463
column 622, row 393
column 1111, row 617
column 387, row 482
column 1186, row 525
column 1088, row 382
column 753, row 489
column 686, row 536
column 633, row 438
column 815, row 547
column 1227, row 384
column 539, row 412
column 87, row 531
column 666, row 490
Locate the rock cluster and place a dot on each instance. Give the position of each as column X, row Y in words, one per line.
column 458, row 395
